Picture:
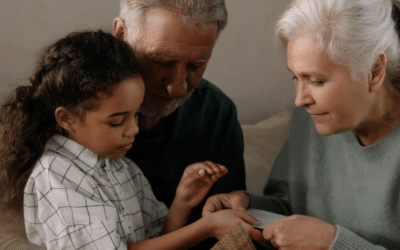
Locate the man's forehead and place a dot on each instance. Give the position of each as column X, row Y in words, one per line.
column 178, row 51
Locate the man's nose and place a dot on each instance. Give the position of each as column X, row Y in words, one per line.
column 303, row 96
column 178, row 86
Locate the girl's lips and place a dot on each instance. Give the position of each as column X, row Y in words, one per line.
column 127, row 147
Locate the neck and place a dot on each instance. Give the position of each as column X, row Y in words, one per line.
column 383, row 119
column 148, row 124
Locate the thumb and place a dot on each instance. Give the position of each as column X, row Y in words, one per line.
column 212, row 205
column 256, row 234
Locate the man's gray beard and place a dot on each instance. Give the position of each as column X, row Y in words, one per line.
column 148, row 110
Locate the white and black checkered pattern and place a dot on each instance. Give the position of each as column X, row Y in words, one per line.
column 76, row 200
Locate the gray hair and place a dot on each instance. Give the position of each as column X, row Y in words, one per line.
column 354, row 32
column 134, row 12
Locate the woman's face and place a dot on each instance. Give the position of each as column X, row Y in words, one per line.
column 325, row 89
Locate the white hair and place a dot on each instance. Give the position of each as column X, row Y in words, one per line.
column 134, row 12
column 354, row 32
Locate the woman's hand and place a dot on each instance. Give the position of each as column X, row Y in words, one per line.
column 300, row 232
column 232, row 200
column 223, row 221
column 196, row 182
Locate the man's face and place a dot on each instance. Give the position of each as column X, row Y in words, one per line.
column 174, row 55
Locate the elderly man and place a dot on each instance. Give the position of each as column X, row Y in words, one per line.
column 184, row 118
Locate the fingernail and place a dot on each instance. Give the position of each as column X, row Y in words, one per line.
column 201, row 172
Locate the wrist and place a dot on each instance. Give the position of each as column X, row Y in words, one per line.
column 208, row 225
column 181, row 206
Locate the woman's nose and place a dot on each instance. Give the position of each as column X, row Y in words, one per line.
column 303, row 96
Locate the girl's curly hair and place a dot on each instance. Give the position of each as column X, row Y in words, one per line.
column 71, row 73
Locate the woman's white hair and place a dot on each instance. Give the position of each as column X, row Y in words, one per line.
column 354, row 32
column 134, row 12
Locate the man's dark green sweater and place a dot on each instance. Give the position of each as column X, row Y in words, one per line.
column 204, row 128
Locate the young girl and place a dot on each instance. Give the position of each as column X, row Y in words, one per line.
column 63, row 141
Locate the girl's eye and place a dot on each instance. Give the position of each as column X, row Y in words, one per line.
column 115, row 125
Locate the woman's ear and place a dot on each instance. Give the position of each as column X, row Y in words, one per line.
column 65, row 119
column 377, row 76
column 119, row 28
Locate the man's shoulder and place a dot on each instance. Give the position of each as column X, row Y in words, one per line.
column 207, row 95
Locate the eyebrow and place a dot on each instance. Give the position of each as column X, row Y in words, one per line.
column 118, row 114
column 308, row 74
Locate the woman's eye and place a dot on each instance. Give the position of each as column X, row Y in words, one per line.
column 317, row 83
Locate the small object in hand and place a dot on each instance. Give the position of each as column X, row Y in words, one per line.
column 236, row 239
column 201, row 172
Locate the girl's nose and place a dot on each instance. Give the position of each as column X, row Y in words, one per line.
column 132, row 127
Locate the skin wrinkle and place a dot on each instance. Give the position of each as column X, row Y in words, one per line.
column 174, row 55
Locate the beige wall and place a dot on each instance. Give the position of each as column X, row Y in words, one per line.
column 245, row 63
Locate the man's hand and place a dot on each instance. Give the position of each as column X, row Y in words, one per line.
column 232, row 200
column 300, row 232
column 196, row 182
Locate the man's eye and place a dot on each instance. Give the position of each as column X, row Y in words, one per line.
column 195, row 65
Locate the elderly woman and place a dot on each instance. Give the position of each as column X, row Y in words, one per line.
column 338, row 173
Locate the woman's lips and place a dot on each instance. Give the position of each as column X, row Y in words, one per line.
column 318, row 116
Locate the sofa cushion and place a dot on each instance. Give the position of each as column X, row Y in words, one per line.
column 262, row 142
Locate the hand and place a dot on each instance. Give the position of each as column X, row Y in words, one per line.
column 223, row 221
column 300, row 232
column 232, row 200
column 196, row 181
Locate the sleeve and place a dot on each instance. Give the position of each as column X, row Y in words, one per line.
column 71, row 214
column 346, row 239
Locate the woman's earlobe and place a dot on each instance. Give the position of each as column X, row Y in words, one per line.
column 377, row 76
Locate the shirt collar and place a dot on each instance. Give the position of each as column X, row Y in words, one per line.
column 81, row 156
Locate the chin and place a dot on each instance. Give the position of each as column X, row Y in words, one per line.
column 149, row 109
column 326, row 130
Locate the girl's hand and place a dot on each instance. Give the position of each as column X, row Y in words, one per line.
column 300, row 232
column 222, row 221
column 196, row 181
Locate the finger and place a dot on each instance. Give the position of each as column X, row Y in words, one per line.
column 247, row 218
column 203, row 177
column 255, row 234
column 222, row 169
column 213, row 204
column 195, row 167
column 221, row 173
column 214, row 166
column 268, row 232
column 201, row 172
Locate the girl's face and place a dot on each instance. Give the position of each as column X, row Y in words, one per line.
column 109, row 130
column 325, row 89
